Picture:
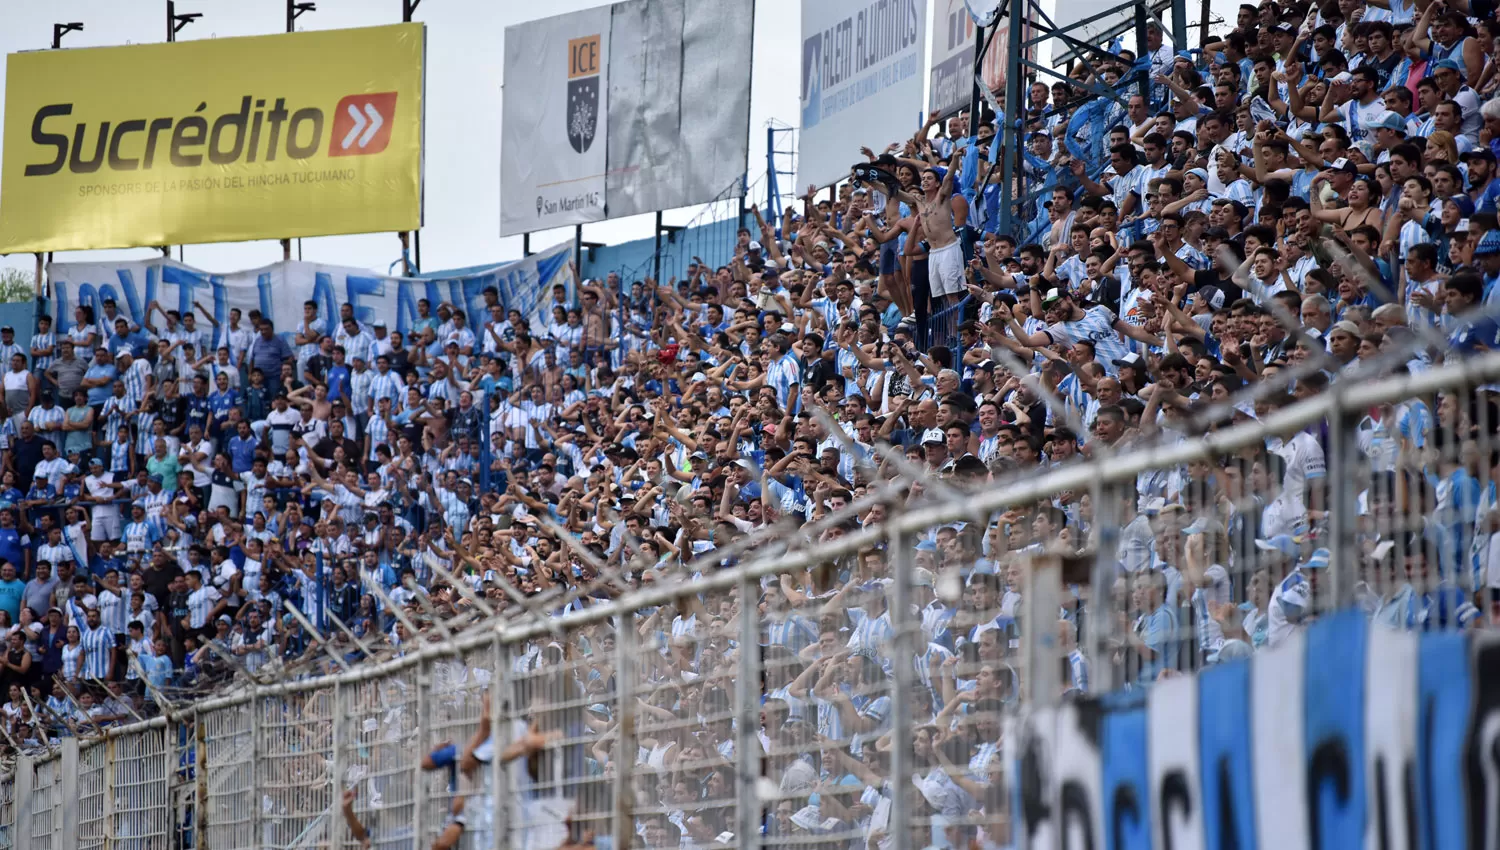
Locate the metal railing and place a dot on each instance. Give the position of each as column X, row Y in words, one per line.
column 767, row 704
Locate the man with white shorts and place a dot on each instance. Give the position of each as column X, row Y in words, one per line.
column 945, row 258
column 101, row 491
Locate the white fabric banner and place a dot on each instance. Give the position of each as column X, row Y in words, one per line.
column 553, row 125
column 279, row 290
column 862, row 64
column 679, row 102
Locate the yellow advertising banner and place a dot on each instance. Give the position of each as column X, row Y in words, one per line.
column 268, row 137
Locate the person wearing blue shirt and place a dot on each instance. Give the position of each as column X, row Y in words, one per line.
column 1155, row 637
column 1469, row 334
column 10, row 539
column 338, row 375
column 11, row 589
column 99, row 378
column 242, row 448
column 222, row 400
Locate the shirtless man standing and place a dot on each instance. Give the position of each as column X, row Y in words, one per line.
column 934, row 225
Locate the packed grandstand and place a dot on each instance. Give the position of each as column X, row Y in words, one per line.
column 1305, row 203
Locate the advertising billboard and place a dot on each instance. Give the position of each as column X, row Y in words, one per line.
column 222, row 140
column 862, row 64
column 640, row 106
column 951, row 78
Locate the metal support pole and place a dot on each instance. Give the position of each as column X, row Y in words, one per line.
column 747, row 749
column 257, row 780
column 294, row 10
column 904, row 649
column 416, row 250
column 525, row 244
column 407, row 8
column 1099, row 626
column 60, row 30
column 625, row 688
column 1179, row 25
column 1342, row 495
column 41, row 267
column 405, row 237
column 1041, row 602
column 976, row 97
column 419, row 791
column 500, row 712
column 336, row 826
column 286, row 250
column 1010, row 128
column 656, row 251
column 1143, row 77
column 578, row 247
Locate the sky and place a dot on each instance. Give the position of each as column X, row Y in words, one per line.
column 465, row 42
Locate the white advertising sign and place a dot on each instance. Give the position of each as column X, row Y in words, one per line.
column 862, row 64
column 552, row 136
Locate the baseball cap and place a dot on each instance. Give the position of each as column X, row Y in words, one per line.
column 1347, row 327
column 1317, row 560
column 986, row 365
column 1344, row 165
column 1052, row 297
column 1488, row 245
column 1200, row 173
column 1464, row 203
column 1285, row 28
column 1213, row 296
column 934, row 440
column 1132, row 359
column 1477, row 153
column 753, row 246
column 1389, row 121
column 1447, row 65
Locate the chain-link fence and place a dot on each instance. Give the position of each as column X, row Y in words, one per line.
column 852, row 689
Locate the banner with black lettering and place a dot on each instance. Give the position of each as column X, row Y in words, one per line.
column 1347, row 736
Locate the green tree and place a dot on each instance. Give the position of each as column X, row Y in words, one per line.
column 16, row 285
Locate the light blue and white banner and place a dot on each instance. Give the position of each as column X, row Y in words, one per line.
column 278, row 291
column 1348, row 737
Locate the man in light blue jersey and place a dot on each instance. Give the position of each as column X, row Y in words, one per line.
column 1067, row 323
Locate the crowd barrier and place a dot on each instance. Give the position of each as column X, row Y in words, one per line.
column 771, row 748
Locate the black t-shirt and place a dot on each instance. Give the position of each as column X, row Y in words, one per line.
column 1232, row 291
column 172, row 412
column 159, row 581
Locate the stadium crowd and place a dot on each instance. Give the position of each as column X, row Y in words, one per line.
column 1305, row 201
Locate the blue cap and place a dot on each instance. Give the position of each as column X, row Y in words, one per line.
column 1488, row 245
column 927, row 546
column 1200, row 173
column 1389, row 121
column 1464, row 203
column 157, row 478
column 1318, row 560
column 1448, row 64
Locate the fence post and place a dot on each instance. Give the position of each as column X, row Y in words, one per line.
column 1343, row 492
column 200, row 791
column 1098, row 624
column 903, row 681
column 419, row 790
column 23, row 799
column 747, row 720
column 68, row 778
column 500, row 714
column 109, row 789
column 625, row 648
column 258, row 746
column 336, row 826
